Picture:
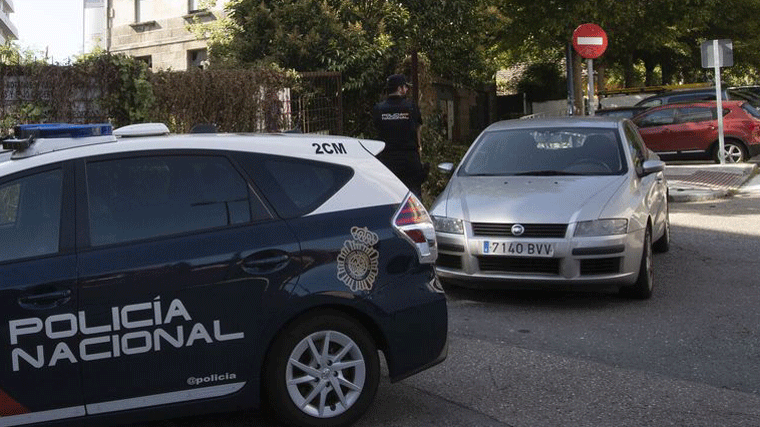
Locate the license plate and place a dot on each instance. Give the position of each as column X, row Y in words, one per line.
column 491, row 247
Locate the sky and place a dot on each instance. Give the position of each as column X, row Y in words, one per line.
column 54, row 26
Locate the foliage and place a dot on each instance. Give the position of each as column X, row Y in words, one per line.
column 437, row 149
column 100, row 87
column 365, row 40
column 458, row 36
column 242, row 100
column 543, row 81
column 11, row 54
column 128, row 95
column 663, row 37
column 27, row 112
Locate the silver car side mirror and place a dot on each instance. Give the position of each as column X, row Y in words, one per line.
column 446, row 168
column 652, row 166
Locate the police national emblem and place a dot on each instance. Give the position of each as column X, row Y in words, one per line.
column 358, row 260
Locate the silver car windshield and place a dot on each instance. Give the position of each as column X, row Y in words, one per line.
column 551, row 151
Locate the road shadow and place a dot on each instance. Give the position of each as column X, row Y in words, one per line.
column 544, row 297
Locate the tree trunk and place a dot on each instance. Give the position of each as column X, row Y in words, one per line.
column 578, row 84
column 649, row 65
column 628, row 72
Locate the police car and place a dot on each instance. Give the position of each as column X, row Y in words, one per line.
column 147, row 275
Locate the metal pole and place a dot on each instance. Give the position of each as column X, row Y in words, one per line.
column 84, row 31
column 590, row 71
column 718, row 96
column 570, row 85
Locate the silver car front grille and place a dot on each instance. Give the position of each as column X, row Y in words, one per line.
column 530, row 230
column 504, row 264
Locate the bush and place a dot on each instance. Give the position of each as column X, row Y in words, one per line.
column 437, row 149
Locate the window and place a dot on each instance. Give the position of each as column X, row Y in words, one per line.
column 691, row 97
column 30, row 216
column 695, row 114
column 557, row 151
column 752, row 111
column 639, row 153
column 197, row 58
column 148, row 59
column 651, row 103
column 295, row 187
column 145, row 197
column 657, row 118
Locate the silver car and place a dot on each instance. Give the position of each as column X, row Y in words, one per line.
column 573, row 202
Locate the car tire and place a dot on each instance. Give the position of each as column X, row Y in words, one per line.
column 735, row 151
column 642, row 289
column 303, row 385
column 663, row 243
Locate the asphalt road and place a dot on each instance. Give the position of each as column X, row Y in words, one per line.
column 690, row 356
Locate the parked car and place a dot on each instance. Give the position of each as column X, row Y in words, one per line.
column 146, row 275
column 751, row 89
column 624, row 112
column 691, row 130
column 568, row 202
column 692, row 95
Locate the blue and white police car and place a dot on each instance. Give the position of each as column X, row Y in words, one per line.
column 147, row 275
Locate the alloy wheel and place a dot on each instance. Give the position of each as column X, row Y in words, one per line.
column 325, row 374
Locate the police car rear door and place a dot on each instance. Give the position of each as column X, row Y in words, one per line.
column 39, row 370
column 181, row 263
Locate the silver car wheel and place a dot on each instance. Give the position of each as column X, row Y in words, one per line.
column 649, row 261
column 644, row 285
column 325, row 374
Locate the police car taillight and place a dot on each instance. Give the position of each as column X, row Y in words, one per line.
column 413, row 223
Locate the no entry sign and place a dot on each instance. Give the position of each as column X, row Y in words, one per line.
column 590, row 41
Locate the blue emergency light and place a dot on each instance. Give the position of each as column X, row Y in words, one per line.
column 61, row 130
column 24, row 135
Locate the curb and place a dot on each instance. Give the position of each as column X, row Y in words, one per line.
column 679, row 191
column 682, row 195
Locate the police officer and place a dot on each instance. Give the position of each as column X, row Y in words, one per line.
column 398, row 121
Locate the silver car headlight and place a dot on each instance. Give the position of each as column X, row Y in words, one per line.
column 601, row 227
column 448, row 225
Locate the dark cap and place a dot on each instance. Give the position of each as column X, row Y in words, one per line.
column 395, row 81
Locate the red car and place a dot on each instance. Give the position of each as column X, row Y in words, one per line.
column 692, row 129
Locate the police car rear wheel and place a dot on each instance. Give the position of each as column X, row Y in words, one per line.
column 323, row 371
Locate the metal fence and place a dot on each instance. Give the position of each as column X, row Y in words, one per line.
column 318, row 105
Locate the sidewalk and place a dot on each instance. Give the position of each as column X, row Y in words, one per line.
column 698, row 181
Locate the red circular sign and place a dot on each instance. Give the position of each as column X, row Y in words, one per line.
column 590, row 41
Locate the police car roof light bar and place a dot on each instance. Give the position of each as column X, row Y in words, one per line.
column 62, row 130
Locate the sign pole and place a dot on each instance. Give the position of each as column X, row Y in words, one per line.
column 570, row 80
column 590, row 71
column 718, row 92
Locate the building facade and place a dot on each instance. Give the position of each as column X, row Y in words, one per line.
column 8, row 31
column 155, row 31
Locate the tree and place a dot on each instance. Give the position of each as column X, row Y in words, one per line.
column 653, row 35
column 11, row 54
column 366, row 40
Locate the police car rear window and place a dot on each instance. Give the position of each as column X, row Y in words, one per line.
column 294, row 187
column 143, row 197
